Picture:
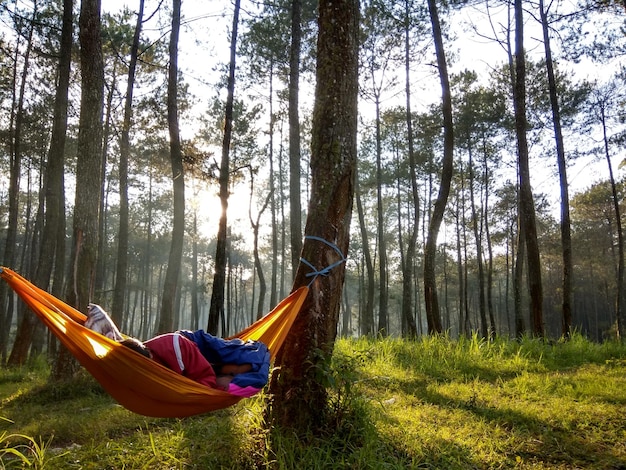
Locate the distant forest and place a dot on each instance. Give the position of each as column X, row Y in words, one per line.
column 489, row 203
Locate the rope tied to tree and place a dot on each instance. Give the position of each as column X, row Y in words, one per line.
column 324, row 271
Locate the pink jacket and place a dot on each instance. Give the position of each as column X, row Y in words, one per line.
column 176, row 352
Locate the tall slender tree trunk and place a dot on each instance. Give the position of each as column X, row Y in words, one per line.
column 464, row 276
column 383, row 288
column 459, row 268
column 101, row 266
column 83, row 258
column 146, row 269
column 619, row 299
column 295, row 217
column 527, row 206
column 219, row 278
column 485, row 216
column 272, row 195
column 566, row 236
column 300, row 398
column 482, row 306
column 518, row 271
column 172, row 275
column 367, row 319
column 26, row 328
column 283, row 226
column 195, row 307
column 407, row 273
column 433, row 315
column 258, row 265
column 407, row 321
column 52, row 251
column 121, row 268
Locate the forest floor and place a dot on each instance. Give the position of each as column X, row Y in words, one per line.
column 433, row 403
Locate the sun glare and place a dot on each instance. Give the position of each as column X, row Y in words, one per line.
column 98, row 348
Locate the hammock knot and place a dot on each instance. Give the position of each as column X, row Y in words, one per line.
column 326, row 270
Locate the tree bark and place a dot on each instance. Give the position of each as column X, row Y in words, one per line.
column 88, row 173
column 482, row 306
column 566, row 236
column 383, row 288
column 518, row 271
column 619, row 299
column 216, row 311
column 407, row 273
column 121, row 268
column 172, row 274
column 24, row 335
column 88, row 168
column 367, row 318
column 258, row 265
column 527, row 206
column 490, row 307
column 52, row 254
column 102, row 264
column 272, row 196
column 300, row 397
column 433, row 316
column 459, row 269
column 295, row 217
column 19, row 352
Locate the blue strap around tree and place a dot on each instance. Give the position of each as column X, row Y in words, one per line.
column 324, row 271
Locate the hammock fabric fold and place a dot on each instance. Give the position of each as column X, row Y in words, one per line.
column 140, row 384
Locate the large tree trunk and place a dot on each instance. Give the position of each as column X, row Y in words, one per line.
column 527, row 206
column 216, row 310
column 433, row 316
column 172, row 275
column 566, row 236
column 300, row 398
column 295, row 217
column 88, row 172
column 121, row 268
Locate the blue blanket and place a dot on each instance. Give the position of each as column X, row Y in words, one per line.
column 219, row 351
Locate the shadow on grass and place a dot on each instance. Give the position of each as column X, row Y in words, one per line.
column 358, row 443
column 80, row 386
column 85, row 428
column 537, row 440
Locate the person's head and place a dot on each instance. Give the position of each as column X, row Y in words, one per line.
column 137, row 346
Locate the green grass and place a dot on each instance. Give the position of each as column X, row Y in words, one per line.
column 434, row 403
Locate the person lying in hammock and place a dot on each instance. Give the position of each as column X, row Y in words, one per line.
column 238, row 367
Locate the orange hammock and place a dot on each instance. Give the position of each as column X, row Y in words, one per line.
column 140, row 384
